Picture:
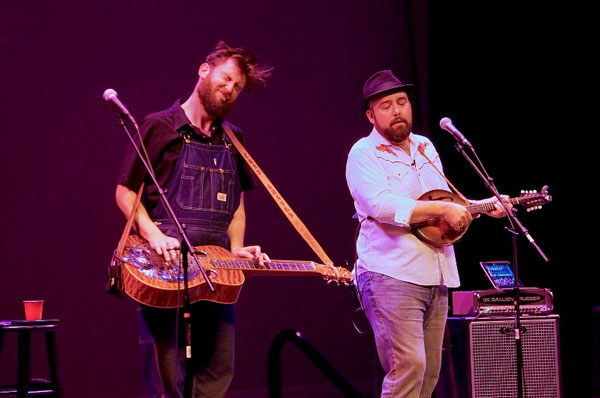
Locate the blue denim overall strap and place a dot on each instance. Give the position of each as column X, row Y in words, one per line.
column 204, row 192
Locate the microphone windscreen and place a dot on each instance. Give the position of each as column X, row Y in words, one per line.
column 445, row 122
column 108, row 94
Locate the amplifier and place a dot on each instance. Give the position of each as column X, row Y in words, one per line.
column 479, row 358
column 532, row 300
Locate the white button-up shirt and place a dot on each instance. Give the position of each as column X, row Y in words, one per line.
column 385, row 183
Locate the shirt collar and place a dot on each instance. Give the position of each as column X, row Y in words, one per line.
column 181, row 123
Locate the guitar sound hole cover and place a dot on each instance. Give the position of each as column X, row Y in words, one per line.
column 149, row 263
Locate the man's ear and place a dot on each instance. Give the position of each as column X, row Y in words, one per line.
column 370, row 116
column 203, row 70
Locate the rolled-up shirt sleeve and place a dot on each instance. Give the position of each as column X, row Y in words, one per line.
column 370, row 188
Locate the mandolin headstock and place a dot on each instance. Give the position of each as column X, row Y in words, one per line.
column 534, row 200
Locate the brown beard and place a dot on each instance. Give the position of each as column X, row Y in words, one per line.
column 397, row 134
column 208, row 98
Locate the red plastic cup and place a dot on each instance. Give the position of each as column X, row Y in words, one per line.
column 33, row 309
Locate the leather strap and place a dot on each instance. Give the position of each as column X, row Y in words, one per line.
column 129, row 224
column 285, row 208
column 456, row 191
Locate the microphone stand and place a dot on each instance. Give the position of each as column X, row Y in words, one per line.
column 186, row 247
column 516, row 228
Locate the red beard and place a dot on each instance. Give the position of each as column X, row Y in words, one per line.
column 212, row 105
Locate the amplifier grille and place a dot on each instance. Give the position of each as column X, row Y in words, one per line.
column 493, row 358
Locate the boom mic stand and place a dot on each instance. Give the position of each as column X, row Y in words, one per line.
column 186, row 247
column 516, row 229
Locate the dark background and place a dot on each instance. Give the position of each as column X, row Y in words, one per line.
column 496, row 70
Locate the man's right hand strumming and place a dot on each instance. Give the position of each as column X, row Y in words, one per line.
column 164, row 245
column 457, row 216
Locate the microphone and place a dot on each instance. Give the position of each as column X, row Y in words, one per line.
column 110, row 95
column 446, row 124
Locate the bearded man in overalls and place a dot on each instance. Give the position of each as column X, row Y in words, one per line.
column 204, row 178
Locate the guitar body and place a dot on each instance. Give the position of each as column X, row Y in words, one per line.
column 156, row 291
column 149, row 280
column 436, row 231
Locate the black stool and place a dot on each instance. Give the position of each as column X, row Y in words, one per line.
column 25, row 386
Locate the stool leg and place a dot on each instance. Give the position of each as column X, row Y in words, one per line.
column 23, row 363
column 53, row 362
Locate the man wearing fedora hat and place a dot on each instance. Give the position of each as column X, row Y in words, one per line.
column 402, row 281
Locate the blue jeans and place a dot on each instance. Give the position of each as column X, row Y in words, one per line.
column 408, row 323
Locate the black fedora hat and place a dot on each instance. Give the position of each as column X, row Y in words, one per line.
column 382, row 83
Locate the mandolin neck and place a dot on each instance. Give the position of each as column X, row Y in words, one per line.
column 485, row 206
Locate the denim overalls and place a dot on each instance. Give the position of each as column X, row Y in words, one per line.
column 204, row 192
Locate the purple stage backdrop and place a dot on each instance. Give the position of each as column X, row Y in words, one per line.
column 63, row 147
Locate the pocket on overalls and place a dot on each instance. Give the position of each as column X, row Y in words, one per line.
column 204, row 188
column 222, row 194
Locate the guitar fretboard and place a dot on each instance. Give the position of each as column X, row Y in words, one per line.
column 270, row 266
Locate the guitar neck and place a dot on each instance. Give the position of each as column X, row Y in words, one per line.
column 273, row 266
column 283, row 267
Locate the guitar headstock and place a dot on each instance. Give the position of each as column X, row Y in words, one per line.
column 534, row 200
column 334, row 274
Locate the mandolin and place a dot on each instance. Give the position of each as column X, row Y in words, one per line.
column 149, row 279
column 437, row 232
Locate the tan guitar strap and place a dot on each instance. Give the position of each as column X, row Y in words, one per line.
column 285, row 208
column 129, row 224
column 114, row 283
column 456, row 191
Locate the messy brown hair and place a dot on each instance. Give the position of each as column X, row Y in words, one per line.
column 256, row 74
